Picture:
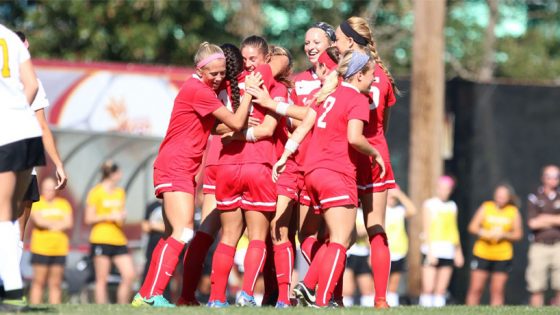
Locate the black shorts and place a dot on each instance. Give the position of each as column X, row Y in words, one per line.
column 32, row 193
column 37, row 259
column 22, row 155
column 478, row 263
column 358, row 264
column 398, row 265
column 108, row 250
column 442, row 262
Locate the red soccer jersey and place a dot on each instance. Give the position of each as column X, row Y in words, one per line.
column 383, row 97
column 299, row 155
column 329, row 147
column 189, row 127
column 304, row 84
column 279, row 93
column 215, row 141
column 263, row 151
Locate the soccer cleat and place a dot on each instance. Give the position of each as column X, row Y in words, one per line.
column 336, row 304
column 184, row 302
column 14, row 305
column 381, row 304
column 245, row 299
column 217, row 304
column 282, row 305
column 154, row 301
column 304, row 295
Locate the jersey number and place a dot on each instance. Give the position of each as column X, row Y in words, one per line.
column 375, row 95
column 327, row 105
column 6, row 65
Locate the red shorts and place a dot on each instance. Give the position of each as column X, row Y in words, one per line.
column 329, row 189
column 246, row 186
column 368, row 178
column 209, row 181
column 292, row 185
column 165, row 181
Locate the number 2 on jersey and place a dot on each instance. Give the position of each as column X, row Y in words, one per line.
column 327, row 105
column 5, row 63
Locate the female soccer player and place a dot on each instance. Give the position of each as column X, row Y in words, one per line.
column 337, row 118
column 442, row 246
column 51, row 217
column 194, row 113
column 355, row 33
column 244, row 193
column 21, row 149
column 106, row 212
column 497, row 224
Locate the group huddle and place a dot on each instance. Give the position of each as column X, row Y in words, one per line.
column 281, row 156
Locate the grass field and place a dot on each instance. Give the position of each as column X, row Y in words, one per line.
column 412, row 310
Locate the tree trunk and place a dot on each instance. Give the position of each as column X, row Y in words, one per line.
column 486, row 71
column 427, row 118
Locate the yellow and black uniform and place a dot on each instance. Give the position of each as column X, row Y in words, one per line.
column 107, row 238
column 443, row 231
column 396, row 234
column 490, row 255
column 50, row 247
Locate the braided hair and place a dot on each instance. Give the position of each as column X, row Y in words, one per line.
column 234, row 66
column 361, row 26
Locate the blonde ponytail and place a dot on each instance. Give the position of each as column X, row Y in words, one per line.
column 206, row 49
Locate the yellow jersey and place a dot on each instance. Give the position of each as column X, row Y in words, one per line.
column 443, row 229
column 46, row 242
column 496, row 219
column 396, row 232
column 105, row 202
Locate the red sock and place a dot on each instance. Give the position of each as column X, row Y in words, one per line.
column 193, row 262
column 284, row 262
column 309, row 248
column 332, row 266
column 312, row 277
column 165, row 263
column 145, row 289
column 221, row 267
column 380, row 264
column 270, row 295
column 253, row 265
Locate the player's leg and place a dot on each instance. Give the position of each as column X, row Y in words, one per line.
column 443, row 277
column 365, row 283
column 429, row 273
column 497, row 284
column 102, row 266
column 283, row 249
column 40, row 273
column 56, row 274
column 125, row 266
column 392, row 289
column 476, row 287
column 349, row 286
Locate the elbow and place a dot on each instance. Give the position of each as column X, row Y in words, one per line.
column 354, row 141
column 237, row 127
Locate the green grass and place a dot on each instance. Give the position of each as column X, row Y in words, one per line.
column 412, row 310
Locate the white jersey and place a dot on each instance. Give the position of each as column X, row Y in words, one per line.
column 17, row 119
column 40, row 101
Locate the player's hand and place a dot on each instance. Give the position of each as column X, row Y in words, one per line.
column 253, row 80
column 61, row 178
column 432, row 260
column 227, row 138
column 253, row 122
column 261, row 96
column 379, row 160
column 278, row 168
column 458, row 260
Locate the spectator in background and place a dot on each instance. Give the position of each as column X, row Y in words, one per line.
column 497, row 224
column 442, row 246
column 543, row 213
column 154, row 228
column 51, row 217
column 358, row 269
column 399, row 208
column 106, row 213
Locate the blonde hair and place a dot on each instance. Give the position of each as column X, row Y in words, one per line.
column 361, row 26
column 331, row 81
column 283, row 77
column 204, row 50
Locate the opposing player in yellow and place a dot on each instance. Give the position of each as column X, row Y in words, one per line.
column 51, row 217
column 106, row 213
column 497, row 224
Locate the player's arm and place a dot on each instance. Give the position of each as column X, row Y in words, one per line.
column 409, row 207
column 236, row 121
column 356, row 138
column 29, row 80
column 91, row 217
column 536, row 220
column 278, row 64
column 475, row 226
column 262, row 96
column 386, row 117
column 516, row 232
column 40, row 222
column 256, row 133
column 50, row 148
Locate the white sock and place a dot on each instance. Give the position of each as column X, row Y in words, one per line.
column 392, row 299
column 439, row 300
column 9, row 264
column 19, row 242
column 367, row 300
column 348, row 301
column 426, row 300
column 258, row 298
